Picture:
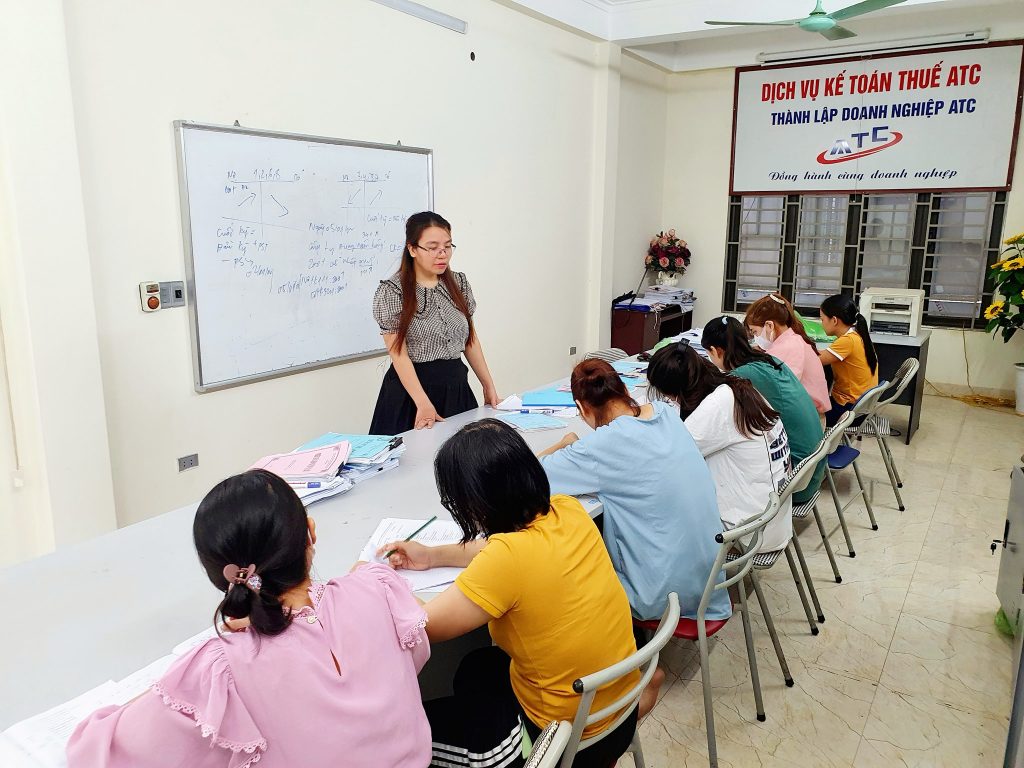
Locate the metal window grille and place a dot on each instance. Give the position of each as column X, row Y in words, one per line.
column 811, row 246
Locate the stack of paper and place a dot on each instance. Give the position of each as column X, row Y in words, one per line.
column 307, row 466
column 437, row 533
column 313, row 471
column 693, row 337
column 657, row 297
column 370, row 455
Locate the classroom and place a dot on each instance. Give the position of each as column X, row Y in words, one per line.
column 393, row 383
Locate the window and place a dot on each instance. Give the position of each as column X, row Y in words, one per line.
column 811, row 246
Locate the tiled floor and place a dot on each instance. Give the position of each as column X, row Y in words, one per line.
column 908, row 669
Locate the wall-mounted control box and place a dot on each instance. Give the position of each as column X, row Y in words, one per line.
column 155, row 296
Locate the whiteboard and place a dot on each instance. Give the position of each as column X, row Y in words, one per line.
column 286, row 240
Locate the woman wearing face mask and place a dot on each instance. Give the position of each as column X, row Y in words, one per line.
column 725, row 339
column 779, row 332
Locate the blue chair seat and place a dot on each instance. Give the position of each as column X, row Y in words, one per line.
column 842, row 457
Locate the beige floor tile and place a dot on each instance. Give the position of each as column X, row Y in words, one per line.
column 963, row 667
column 910, row 730
column 817, row 722
column 955, row 593
column 971, row 511
column 948, row 543
column 992, row 483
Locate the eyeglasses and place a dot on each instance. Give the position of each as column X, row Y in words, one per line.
column 438, row 250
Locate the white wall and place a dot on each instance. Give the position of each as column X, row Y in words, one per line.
column 513, row 136
column 698, row 145
column 61, row 492
column 641, row 159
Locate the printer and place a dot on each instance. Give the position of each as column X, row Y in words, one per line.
column 893, row 311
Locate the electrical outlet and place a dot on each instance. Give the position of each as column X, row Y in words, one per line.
column 188, row 462
column 572, row 350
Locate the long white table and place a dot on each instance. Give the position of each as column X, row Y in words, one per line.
column 107, row 607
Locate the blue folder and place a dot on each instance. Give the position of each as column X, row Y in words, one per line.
column 548, row 398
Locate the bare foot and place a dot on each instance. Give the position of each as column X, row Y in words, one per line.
column 650, row 695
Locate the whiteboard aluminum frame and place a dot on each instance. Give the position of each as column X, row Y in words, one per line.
column 180, row 126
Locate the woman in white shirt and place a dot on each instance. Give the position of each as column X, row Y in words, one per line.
column 741, row 437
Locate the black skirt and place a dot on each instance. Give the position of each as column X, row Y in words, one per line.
column 446, row 383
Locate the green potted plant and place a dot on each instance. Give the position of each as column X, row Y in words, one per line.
column 1005, row 314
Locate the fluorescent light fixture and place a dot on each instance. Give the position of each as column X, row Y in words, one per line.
column 888, row 46
column 427, row 14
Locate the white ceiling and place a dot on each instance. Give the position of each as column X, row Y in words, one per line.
column 672, row 33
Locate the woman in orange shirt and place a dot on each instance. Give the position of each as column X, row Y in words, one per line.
column 851, row 355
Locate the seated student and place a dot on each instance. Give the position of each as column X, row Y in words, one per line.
column 780, row 332
column 313, row 673
column 852, row 355
column 660, row 512
column 725, row 339
column 543, row 583
column 741, row 437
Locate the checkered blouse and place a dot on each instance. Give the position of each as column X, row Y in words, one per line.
column 438, row 330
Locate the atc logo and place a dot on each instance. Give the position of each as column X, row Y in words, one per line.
column 877, row 139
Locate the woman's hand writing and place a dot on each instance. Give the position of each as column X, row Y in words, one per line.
column 408, row 555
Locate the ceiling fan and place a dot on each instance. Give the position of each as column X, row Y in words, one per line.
column 826, row 24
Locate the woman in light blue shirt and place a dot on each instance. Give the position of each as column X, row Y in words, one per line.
column 660, row 513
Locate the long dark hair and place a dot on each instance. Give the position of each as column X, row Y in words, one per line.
column 844, row 309
column 414, row 228
column 679, row 373
column 253, row 518
column 597, row 384
column 779, row 310
column 729, row 335
column 489, row 480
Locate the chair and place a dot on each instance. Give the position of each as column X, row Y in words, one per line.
column 610, row 355
column 878, row 425
column 549, row 746
column 829, row 443
column 646, row 659
column 797, row 479
column 846, row 455
column 751, row 532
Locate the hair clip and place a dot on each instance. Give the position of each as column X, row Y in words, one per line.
column 725, row 319
column 683, row 344
column 776, row 299
column 246, row 576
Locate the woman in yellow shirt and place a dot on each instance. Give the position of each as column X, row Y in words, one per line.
column 851, row 355
column 538, row 574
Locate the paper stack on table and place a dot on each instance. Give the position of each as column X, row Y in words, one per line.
column 657, row 297
column 370, row 455
column 314, row 472
column 437, row 533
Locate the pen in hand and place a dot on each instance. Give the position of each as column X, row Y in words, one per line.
column 411, row 536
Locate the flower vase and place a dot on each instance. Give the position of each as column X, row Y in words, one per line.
column 668, row 279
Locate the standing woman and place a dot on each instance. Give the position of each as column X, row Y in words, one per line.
column 773, row 320
column 725, row 339
column 425, row 313
column 851, row 355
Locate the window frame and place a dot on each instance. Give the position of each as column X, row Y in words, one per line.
column 923, row 226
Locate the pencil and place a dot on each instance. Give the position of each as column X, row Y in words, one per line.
column 411, row 536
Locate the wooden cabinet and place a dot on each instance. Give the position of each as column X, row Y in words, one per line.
column 634, row 331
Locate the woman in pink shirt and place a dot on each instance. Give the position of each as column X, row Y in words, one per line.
column 779, row 331
column 304, row 673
